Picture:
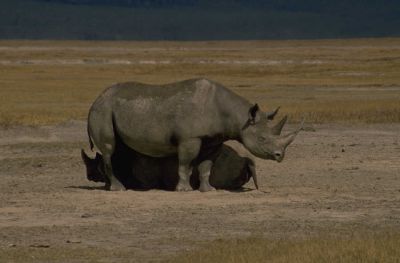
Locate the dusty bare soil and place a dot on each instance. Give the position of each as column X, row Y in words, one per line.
column 338, row 178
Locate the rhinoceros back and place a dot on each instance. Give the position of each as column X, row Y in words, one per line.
column 152, row 119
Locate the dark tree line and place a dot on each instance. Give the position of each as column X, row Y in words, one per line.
column 198, row 19
column 292, row 5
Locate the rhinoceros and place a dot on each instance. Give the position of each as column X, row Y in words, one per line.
column 191, row 119
column 233, row 167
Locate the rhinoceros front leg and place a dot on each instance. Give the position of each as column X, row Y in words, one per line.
column 204, row 175
column 187, row 152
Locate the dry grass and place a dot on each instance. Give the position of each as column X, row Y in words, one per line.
column 51, row 255
column 45, row 82
column 369, row 248
column 366, row 248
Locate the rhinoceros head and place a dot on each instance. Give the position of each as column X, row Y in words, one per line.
column 94, row 167
column 264, row 140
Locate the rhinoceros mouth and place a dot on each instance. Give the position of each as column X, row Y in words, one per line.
column 263, row 155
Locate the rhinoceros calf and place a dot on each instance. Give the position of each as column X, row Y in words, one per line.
column 233, row 167
column 185, row 119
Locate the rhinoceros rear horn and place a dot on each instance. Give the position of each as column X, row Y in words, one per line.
column 253, row 174
column 271, row 115
column 277, row 129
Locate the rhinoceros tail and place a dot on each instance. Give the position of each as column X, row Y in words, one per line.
column 90, row 138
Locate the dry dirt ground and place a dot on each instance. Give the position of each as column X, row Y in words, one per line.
column 338, row 178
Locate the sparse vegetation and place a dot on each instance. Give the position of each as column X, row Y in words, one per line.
column 44, row 82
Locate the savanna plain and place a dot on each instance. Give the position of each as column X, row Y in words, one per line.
column 335, row 197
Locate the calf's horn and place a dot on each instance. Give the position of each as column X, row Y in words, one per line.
column 253, row 174
column 255, row 180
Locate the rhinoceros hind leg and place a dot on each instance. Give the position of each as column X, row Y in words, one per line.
column 101, row 130
column 204, row 175
column 112, row 183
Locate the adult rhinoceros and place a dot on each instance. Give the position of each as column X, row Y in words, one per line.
column 233, row 167
column 191, row 118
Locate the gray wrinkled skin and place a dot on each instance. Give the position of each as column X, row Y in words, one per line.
column 190, row 119
column 233, row 167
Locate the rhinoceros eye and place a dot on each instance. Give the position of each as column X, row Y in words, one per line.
column 261, row 139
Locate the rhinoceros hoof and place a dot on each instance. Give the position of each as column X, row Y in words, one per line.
column 183, row 187
column 117, row 187
column 206, row 188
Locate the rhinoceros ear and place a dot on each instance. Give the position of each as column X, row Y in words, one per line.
column 98, row 157
column 85, row 158
column 253, row 113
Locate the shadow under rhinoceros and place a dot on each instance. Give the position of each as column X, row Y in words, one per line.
column 85, row 187
column 232, row 168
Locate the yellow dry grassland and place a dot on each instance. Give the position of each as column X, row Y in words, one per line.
column 367, row 248
column 355, row 81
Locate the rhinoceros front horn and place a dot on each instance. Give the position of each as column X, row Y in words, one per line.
column 289, row 138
